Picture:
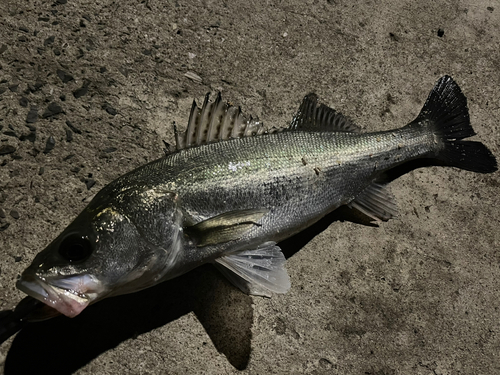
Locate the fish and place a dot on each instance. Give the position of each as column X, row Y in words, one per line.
column 232, row 189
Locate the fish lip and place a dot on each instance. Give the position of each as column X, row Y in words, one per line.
column 65, row 300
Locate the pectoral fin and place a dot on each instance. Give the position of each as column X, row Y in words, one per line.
column 225, row 227
column 258, row 272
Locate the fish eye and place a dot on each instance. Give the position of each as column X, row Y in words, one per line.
column 75, row 248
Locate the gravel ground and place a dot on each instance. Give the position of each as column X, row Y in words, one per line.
column 89, row 90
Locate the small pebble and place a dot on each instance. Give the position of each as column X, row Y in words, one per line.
column 7, row 149
column 31, row 136
column 193, row 76
column 32, row 115
column 69, row 135
column 89, row 183
column 78, row 93
column 23, row 102
column 109, row 109
column 52, row 109
column 10, row 133
column 64, row 76
column 73, row 127
column 37, row 86
column 2, row 213
column 55, row 108
column 51, row 142
column 14, row 214
column 4, row 226
column 49, row 41
column 41, row 171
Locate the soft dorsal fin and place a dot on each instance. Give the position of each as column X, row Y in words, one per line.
column 216, row 121
column 312, row 117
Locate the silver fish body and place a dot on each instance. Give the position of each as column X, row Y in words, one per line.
column 229, row 200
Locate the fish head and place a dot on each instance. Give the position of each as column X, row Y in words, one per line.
column 96, row 256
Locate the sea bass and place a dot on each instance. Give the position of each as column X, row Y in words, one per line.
column 231, row 191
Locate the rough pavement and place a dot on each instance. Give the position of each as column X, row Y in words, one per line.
column 88, row 91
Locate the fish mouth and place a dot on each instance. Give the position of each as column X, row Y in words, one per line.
column 70, row 295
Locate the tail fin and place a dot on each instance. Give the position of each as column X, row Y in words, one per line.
column 446, row 108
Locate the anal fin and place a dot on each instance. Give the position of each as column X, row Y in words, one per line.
column 376, row 202
column 259, row 272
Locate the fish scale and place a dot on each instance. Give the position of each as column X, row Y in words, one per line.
column 278, row 173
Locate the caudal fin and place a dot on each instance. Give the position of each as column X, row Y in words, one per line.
column 446, row 109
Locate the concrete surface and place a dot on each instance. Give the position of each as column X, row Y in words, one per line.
column 417, row 295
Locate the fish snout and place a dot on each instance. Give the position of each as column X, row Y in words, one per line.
column 68, row 295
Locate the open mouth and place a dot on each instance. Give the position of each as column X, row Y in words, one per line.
column 70, row 296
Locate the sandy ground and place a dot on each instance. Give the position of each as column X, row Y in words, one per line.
column 104, row 80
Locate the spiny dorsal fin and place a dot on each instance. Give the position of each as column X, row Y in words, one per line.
column 216, row 121
column 312, row 117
